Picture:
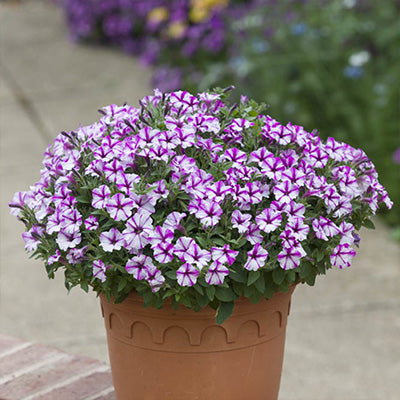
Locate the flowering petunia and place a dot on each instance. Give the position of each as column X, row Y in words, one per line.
column 119, row 207
column 163, row 252
column 99, row 270
column 286, row 191
column 254, row 234
column 100, row 196
column 268, row 220
column 137, row 266
column 187, row 275
column 154, row 278
column 298, row 228
column 324, row 228
column 196, row 255
column 256, row 258
column 346, row 230
column 224, row 255
column 112, row 240
column 71, row 221
column 91, row 223
column 137, row 230
column 216, row 273
column 173, row 220
column 68, row 240
column 54, row 257
column 240, row 221
column 290, row 256
column 75, row 256
column 209, row 212
column 54, row 222
column 160, row 235
column 32, row 237
column 342, row 255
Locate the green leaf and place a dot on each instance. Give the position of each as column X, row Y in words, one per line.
column 224, row 294
column 368, row 224
column 224, row 311
column 278, row 275
column 260, row 285
column 238, row 276
column 170, row 274
column 121, row 284
column 253, row 276
column 210, row 291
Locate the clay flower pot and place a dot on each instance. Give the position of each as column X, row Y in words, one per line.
column 180, row 355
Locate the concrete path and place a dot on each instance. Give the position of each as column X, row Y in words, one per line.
column 343, row 334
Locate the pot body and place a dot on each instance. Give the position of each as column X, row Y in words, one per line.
column 180, row 354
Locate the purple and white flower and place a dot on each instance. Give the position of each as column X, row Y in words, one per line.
column 342, row 255
column 256, row 258
column 268, row 220
column 187, row 275
column 99, row 270
column 137, row 266
column 224, row 255
column 112, row 240
column 216, row 273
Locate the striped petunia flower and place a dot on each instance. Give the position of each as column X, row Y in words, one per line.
column 256, row 258
column 187, row 275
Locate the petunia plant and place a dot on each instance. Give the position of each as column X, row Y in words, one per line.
column 196, row 201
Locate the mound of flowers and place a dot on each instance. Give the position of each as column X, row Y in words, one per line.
column 193, row 199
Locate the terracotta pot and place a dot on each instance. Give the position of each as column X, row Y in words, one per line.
column 181, row 355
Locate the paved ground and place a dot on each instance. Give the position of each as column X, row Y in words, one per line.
column 343, row 335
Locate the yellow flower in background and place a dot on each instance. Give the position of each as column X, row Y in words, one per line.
column 201, row 9
column 176, row 29
column 158, row 14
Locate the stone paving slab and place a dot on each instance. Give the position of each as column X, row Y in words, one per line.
column 35, row 372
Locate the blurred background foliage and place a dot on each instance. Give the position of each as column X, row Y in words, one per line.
column 330, row 65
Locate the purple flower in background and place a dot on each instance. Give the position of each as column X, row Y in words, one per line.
column 224, row 255
column 187, row 275
column 119, row 207
column 268, row 220
column 256, row 258
column 100, row 196
column 91, row 223
column 112, row 240
column 216, row 273
column 99, row 270
column 342, row 255
column 137, row 266
column 396, row 156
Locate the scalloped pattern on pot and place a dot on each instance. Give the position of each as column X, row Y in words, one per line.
column 185, row 331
